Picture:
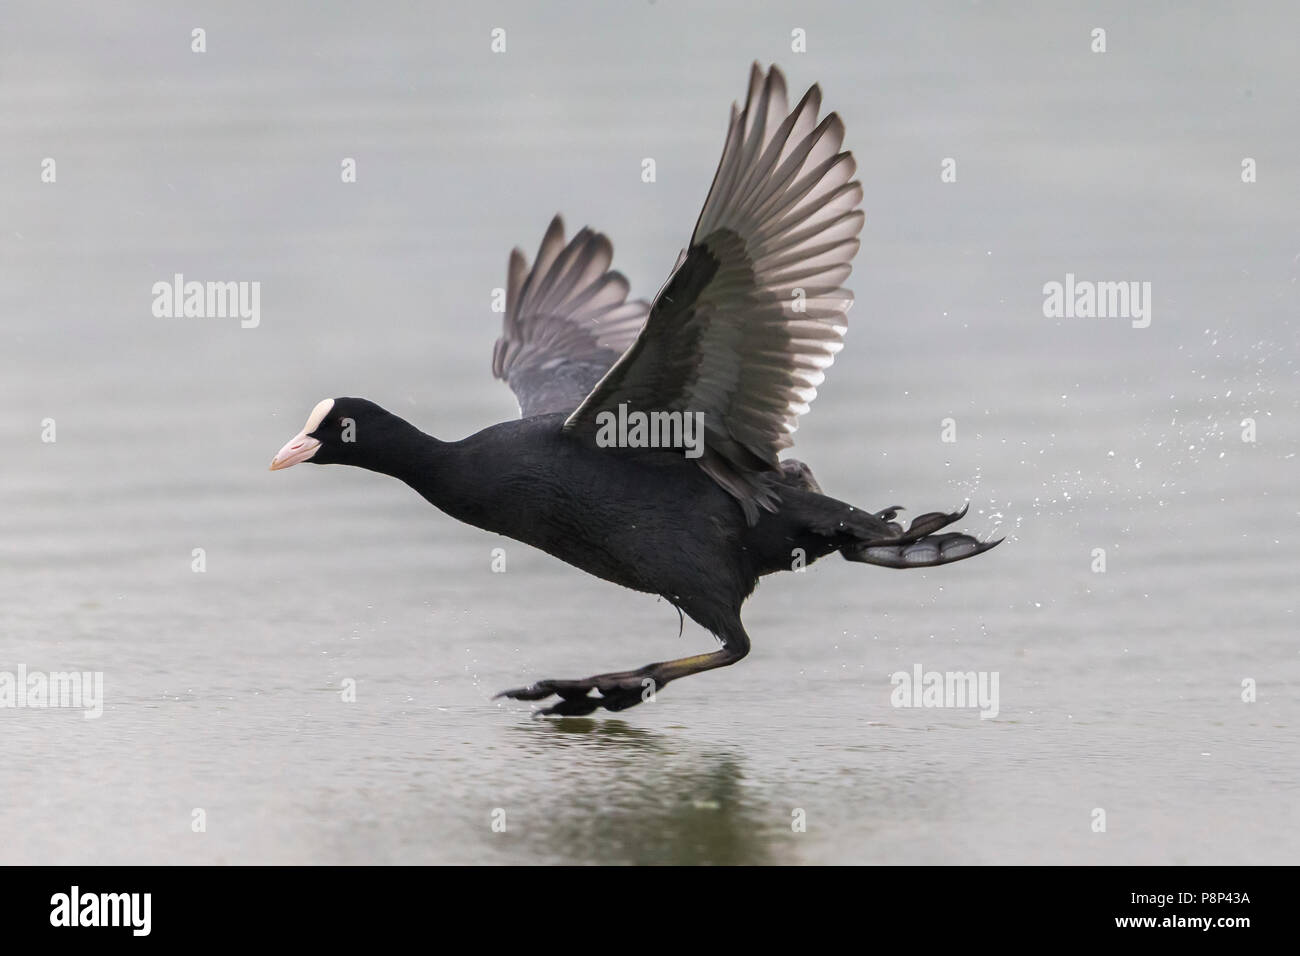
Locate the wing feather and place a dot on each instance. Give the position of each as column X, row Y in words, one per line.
column 755, row 311
column 567, row 320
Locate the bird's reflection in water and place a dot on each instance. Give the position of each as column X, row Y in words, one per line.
column 636, row 796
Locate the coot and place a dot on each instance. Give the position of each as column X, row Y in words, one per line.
column 647, row 451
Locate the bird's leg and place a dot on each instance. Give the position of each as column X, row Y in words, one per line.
column 620, row 690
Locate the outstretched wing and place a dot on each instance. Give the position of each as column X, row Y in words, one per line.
column 754, row 314
column 567, row 321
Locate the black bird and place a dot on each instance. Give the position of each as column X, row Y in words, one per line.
column 721, row 365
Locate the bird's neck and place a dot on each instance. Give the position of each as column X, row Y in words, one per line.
column 438, row 470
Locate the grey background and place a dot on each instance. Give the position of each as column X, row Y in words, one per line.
column 1119, row 691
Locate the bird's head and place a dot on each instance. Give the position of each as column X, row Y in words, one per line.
column 339, row 431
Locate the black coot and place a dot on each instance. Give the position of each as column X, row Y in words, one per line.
column 647, row 448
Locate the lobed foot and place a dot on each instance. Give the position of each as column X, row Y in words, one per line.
column 926, row 552
column 921, row 525
column 614, row 692
column 919, row 546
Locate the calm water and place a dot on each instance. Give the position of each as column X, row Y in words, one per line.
column 1119, row 690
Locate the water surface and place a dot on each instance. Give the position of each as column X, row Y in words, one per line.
column 1119, row 690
